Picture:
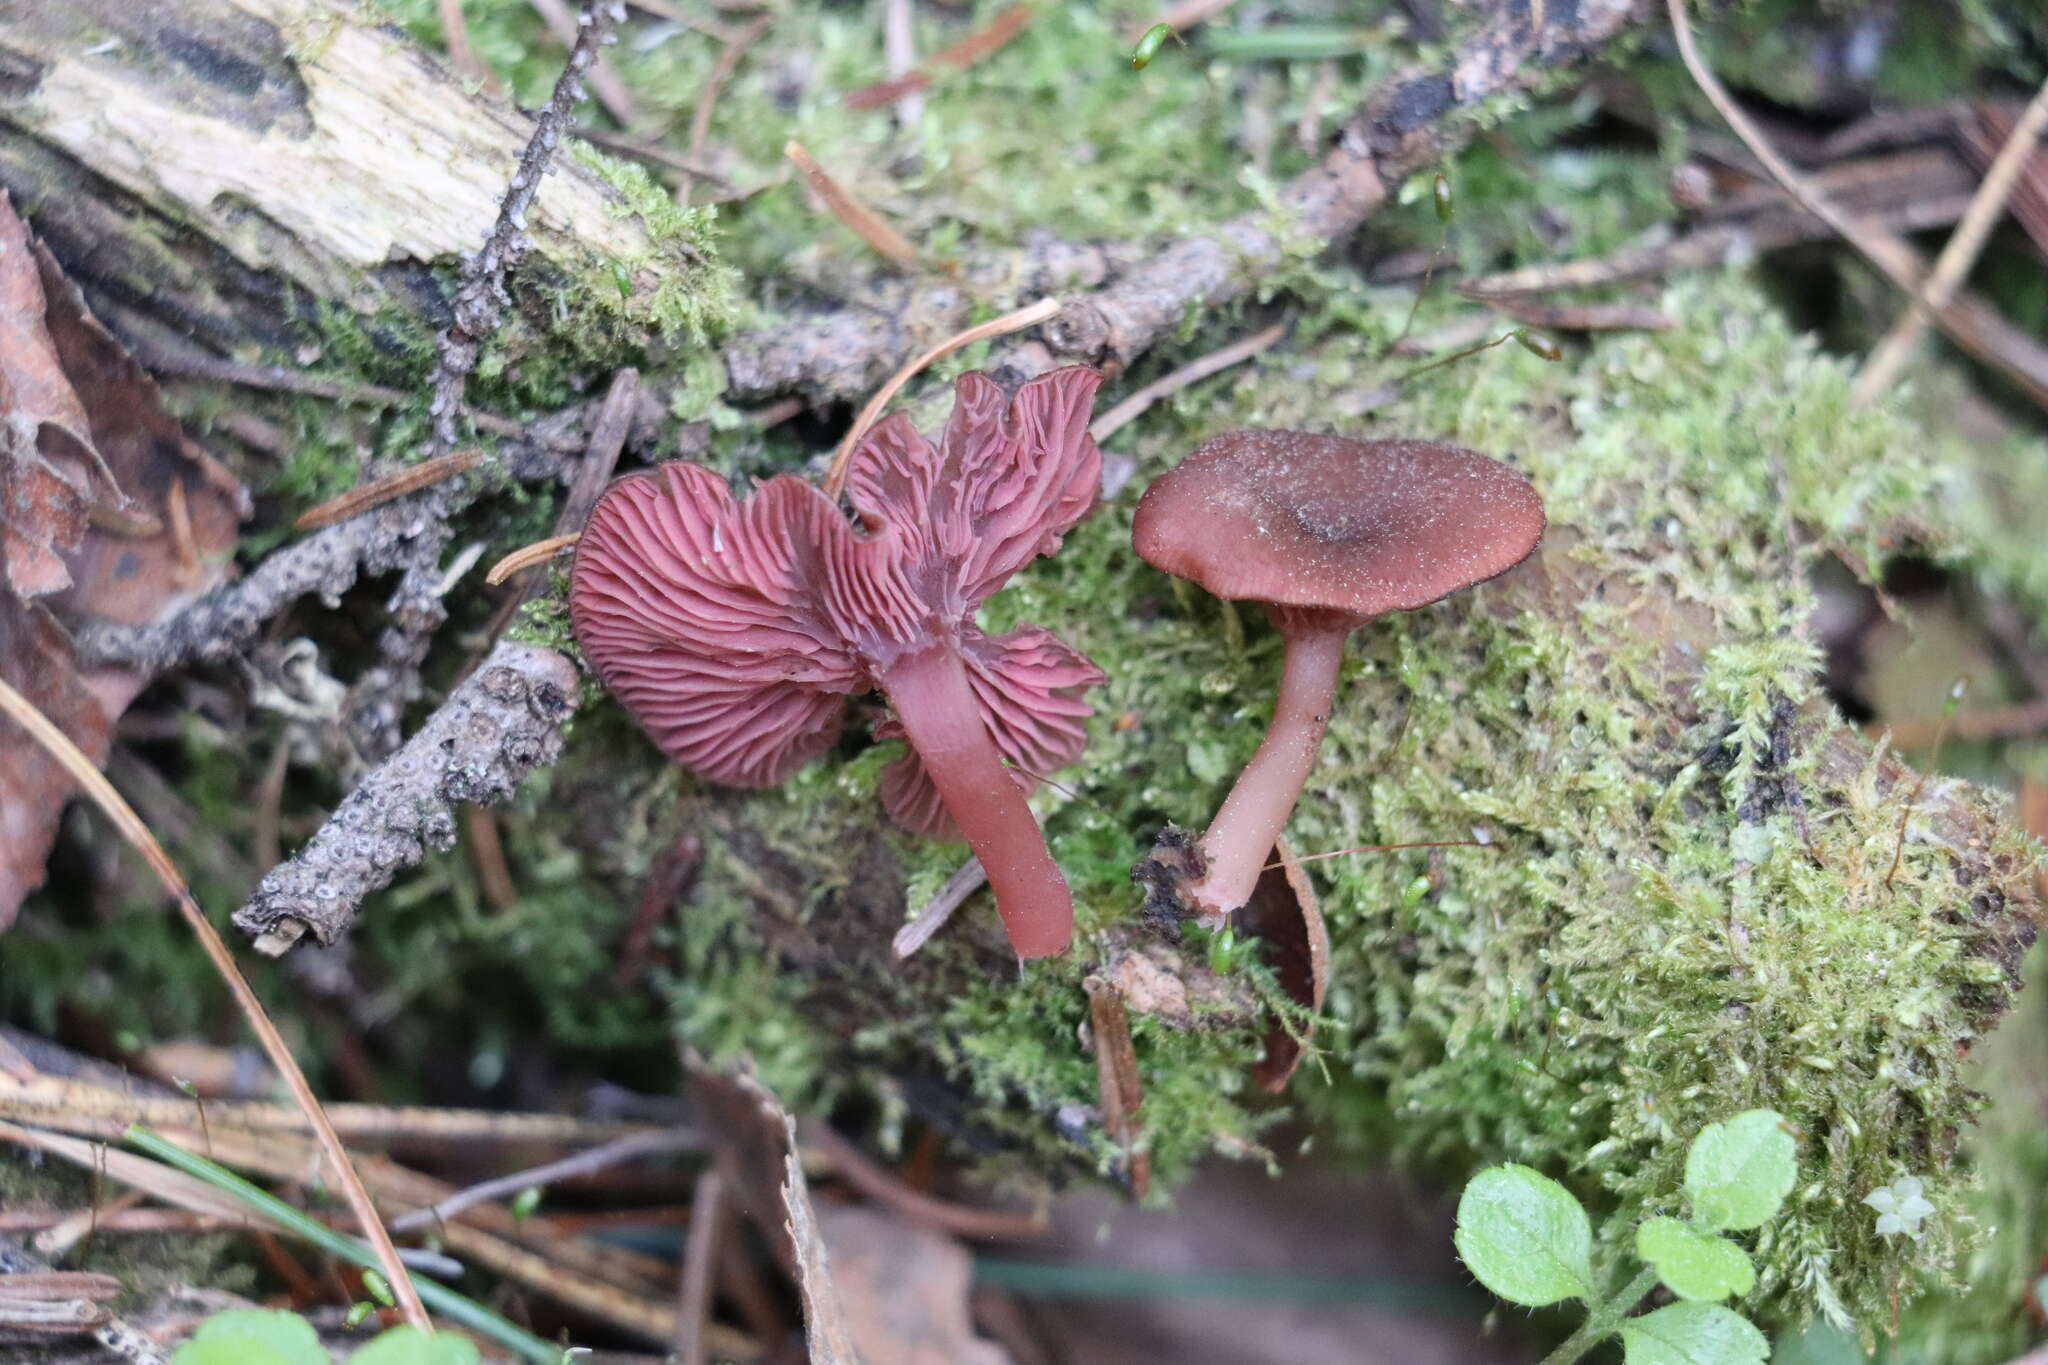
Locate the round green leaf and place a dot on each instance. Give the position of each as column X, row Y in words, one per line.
column 253, row 1336
column 1739, row 1172
column 410, row 1346
column 1525, row 1237
column 1696, row 1265
column 1693, row 1334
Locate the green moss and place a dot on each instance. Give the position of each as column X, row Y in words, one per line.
column 677, row 288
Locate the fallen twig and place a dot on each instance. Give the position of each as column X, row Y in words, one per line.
column 1411, row 120
column 1958, row 254
column 1031, row 316
column 1584, row 317
column 967, row 879
column 495, row 728
column 865, row 223
column 480, row 299
column 604, row 77
column 277, row 379
column 1897, row 260
column 327, row 562
column 582, row 1163
column 721, row 72
column 131, row 828
column 666, row 881
column 461, row 56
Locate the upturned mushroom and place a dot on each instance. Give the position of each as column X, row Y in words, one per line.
column 734, row 629
column 1329, row 533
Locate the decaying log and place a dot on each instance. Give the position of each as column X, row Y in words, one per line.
column 210, row 169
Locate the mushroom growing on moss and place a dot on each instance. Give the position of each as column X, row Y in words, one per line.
column 1329, row 533
column 734, row 630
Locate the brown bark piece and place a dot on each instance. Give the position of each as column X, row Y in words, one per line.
column 1286, row 917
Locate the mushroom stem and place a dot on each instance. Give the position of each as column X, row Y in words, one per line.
column 933, row 700
column 1240, row 839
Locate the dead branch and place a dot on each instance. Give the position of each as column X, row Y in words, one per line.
column 836, row 355
column 493, row 730
column 480, row 302
column 327, row 562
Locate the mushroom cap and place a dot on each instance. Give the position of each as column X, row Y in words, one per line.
column 1326, row 523
column 733, row 628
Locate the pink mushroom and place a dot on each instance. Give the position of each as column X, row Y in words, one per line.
column 1328, row 532
column 734, row 629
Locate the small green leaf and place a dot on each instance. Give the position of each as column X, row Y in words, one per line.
column 379, row 1289
column 253, row 1336
column 525, row 1202
column 1525, row 1237
column 1696, row 1265
column 410, row 1346
column 1739, row 1172
column 1693, row 1334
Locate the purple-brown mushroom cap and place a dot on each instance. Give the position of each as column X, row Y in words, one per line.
column 1327, row 523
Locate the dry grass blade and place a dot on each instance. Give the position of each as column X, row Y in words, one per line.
column 967, row 879
column 538, row 1177
column 1134, row 407
column 526, row 556
column 131, row 828
column 721, row 72
column 1043, row 310
column 868, row 225
column 1958, row 254
column 377, row 492
column 974, row 47
column 854, row 1166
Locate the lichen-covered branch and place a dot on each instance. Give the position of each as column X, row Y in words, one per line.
column 494, row 729
column 327, row 562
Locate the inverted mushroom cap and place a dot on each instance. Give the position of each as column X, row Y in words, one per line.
column 1331, row 524
column 734, row 629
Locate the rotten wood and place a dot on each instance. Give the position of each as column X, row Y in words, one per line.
column 1119, row 1093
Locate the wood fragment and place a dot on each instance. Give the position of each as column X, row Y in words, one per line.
column 526, row 556
column 1119, row 1093
column 1031, row 316
column 866, row 224
column 131, row 828
column 1881, row 369
column 487, row 856
column 931, row 917
column 377, row 492
column 825, row 1327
